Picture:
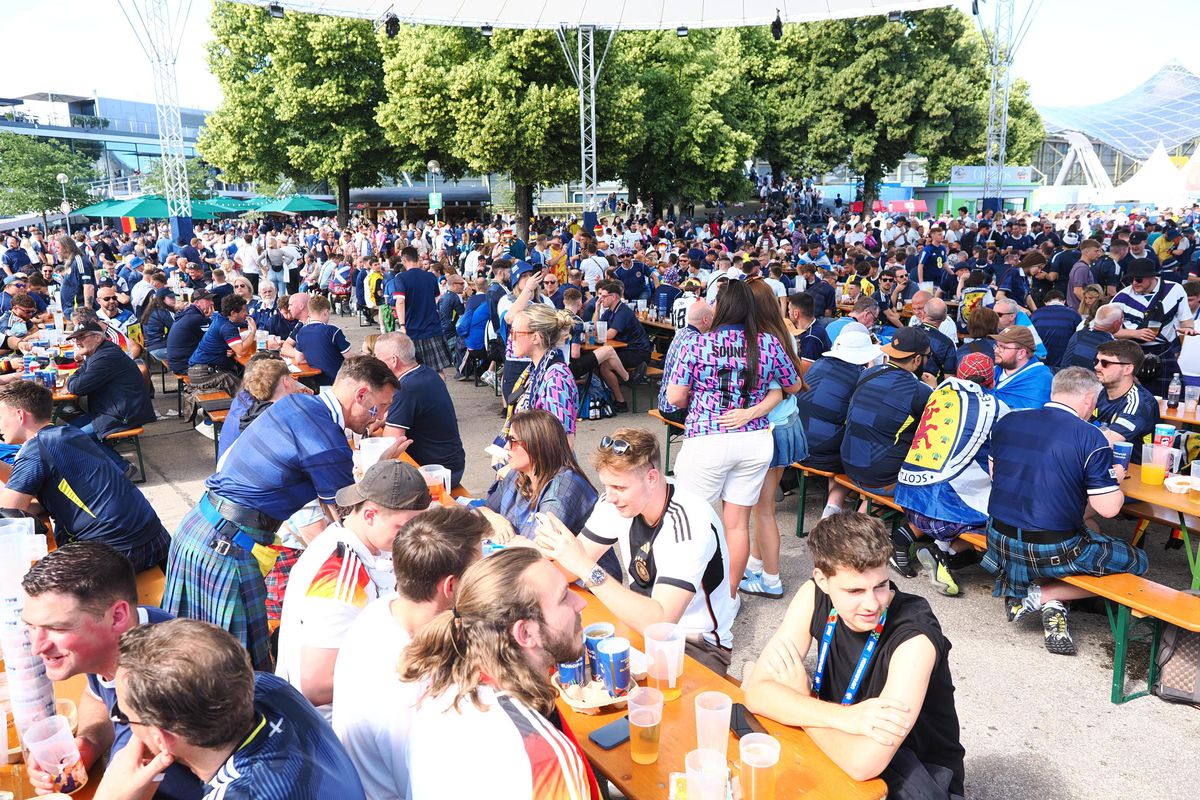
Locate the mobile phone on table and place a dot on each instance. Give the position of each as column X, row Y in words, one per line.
column 612, row 734
column 741, row 721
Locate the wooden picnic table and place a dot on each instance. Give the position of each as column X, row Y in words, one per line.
column 1178, row 416
column 658, row 325
column 803, row 769
column 1178, row 504
column 613, row 343
column 306, row 370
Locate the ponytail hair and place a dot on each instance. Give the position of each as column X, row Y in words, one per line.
column 474, row 639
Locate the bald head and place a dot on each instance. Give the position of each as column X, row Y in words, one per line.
column 921, row 297
column 298, row 305
column 1109, row 319
column 700, row 316
column 935, row 311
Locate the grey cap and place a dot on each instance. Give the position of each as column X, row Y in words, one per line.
column 391, row 484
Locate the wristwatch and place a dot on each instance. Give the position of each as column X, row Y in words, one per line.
column 596, row 577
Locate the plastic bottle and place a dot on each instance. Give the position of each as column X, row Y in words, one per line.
column 52, row 371
column 1174, row 391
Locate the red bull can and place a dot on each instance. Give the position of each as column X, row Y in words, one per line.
column 592, row 635
column 573, row 673
column 613, row 655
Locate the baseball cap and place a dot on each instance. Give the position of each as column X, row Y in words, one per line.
column 522, row 268
column 907, row 342
column 1137, row 237
column 978, row 367
column 391, row 484
column 690, row 285
column 1141, row 268
column 164, row 293
column 201, row 294
column 85, row 327
column 11, row 279
column 1018, row 335
column 854, row 345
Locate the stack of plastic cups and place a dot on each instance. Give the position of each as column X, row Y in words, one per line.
column 31, row 693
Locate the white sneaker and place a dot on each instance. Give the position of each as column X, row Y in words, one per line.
column 489, row 378
column 206, row 430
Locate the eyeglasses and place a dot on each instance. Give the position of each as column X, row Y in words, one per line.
column 119, row 717
column 617, row 446
column 1104, row 362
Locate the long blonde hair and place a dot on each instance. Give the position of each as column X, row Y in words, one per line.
column 460, row 646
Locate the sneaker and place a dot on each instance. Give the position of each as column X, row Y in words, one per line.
column 206, row 430
column 638, row 375
column 1058, row 635
column 967, row 558
column 901, row 562
column 620, row 407
column 830, row 510
column 749, row 574
column 936, row 563
column 489, row 378
column 756, row 586
column 1016, row 610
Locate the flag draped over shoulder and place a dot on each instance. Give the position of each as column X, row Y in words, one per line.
column 945, row 474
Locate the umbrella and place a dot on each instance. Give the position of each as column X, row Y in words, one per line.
column 154, row 206
column 100, row 209
column 296, row 204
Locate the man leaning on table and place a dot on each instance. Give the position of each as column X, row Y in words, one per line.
column 895, row 720
column 80, row 599
column 673, row 543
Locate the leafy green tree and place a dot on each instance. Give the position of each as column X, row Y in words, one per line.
column 198, row 174
column 701, row 120
column 1025, row 133
column 866, row 92
column 505, row 104
column 29, row 171
column 300, row 97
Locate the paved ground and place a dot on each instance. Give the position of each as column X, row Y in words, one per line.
column 1033, row 724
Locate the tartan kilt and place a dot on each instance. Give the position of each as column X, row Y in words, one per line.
column 433, row 352
column 225, row 590
column 277, row 579
column 1017, row 565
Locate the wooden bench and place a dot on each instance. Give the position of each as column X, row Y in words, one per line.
column 131, row 436
column 181, row 380
column 802, row 490
column 217, row 418
column 874, row 501
column 674, row 435
column 151, row 584
column 1130, row 601
column 652, row 374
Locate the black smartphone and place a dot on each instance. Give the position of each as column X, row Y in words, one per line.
column 612, row 734
column 741, row 721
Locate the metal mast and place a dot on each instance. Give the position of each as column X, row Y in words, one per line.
column 584, row 69
column 160, row 35
column 1002, row 42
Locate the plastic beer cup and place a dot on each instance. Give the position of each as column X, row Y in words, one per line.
column 645, row 724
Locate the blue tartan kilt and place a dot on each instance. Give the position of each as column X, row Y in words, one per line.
column 225, row 590
column 1017, row 565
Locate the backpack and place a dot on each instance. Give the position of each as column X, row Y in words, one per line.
column 595, row 400
column 1178, row 666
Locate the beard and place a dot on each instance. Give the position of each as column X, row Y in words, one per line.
column 565, row 647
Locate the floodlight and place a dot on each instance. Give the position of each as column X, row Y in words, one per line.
column 486, row 30
column 275, row 10
column 777, row 27
column 895, row 16
column 681, row 31
column 391, row 26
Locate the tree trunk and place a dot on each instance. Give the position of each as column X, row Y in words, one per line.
column 343, row 200
column 523, row 199
column 870, row 192
column 777, row 171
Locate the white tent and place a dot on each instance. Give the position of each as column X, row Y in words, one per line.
column 607, row 14
column 1157, row 181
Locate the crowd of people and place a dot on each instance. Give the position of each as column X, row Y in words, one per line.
column 935, row 362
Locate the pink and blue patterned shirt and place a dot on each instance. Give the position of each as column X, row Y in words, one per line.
column 713, row 366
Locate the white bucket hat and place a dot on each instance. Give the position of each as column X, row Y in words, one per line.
column 854, row 345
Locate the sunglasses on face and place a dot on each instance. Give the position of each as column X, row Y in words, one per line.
column 1104, row 362
column 618, row 446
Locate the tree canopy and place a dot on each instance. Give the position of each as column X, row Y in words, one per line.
column 198, row 174
column 300, row 96
column 29, row 170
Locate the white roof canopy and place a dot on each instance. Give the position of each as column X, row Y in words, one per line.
column 618, row 14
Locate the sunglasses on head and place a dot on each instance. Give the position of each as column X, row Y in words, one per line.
column 618, row 446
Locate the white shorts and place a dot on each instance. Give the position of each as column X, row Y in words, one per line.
column 726, row 466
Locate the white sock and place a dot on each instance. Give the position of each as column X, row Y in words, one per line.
column 754, row 564
column 830, row 510
column 770, row 580
column 1033, row 600
column 944, row 547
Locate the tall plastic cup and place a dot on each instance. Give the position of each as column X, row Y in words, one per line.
column 645, row 724
column 1122, row 453
column 707, row 775
column 51, row 744
column 1154, row 464
column 713, row 710
column 664, row 658
column 759, row 754
column 437, row 478
column 601, row 332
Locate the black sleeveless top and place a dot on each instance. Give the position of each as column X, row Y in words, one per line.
column 934, row 737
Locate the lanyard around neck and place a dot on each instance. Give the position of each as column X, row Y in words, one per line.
column 863, row 660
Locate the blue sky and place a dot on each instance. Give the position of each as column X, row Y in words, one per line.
column 1077, row 51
